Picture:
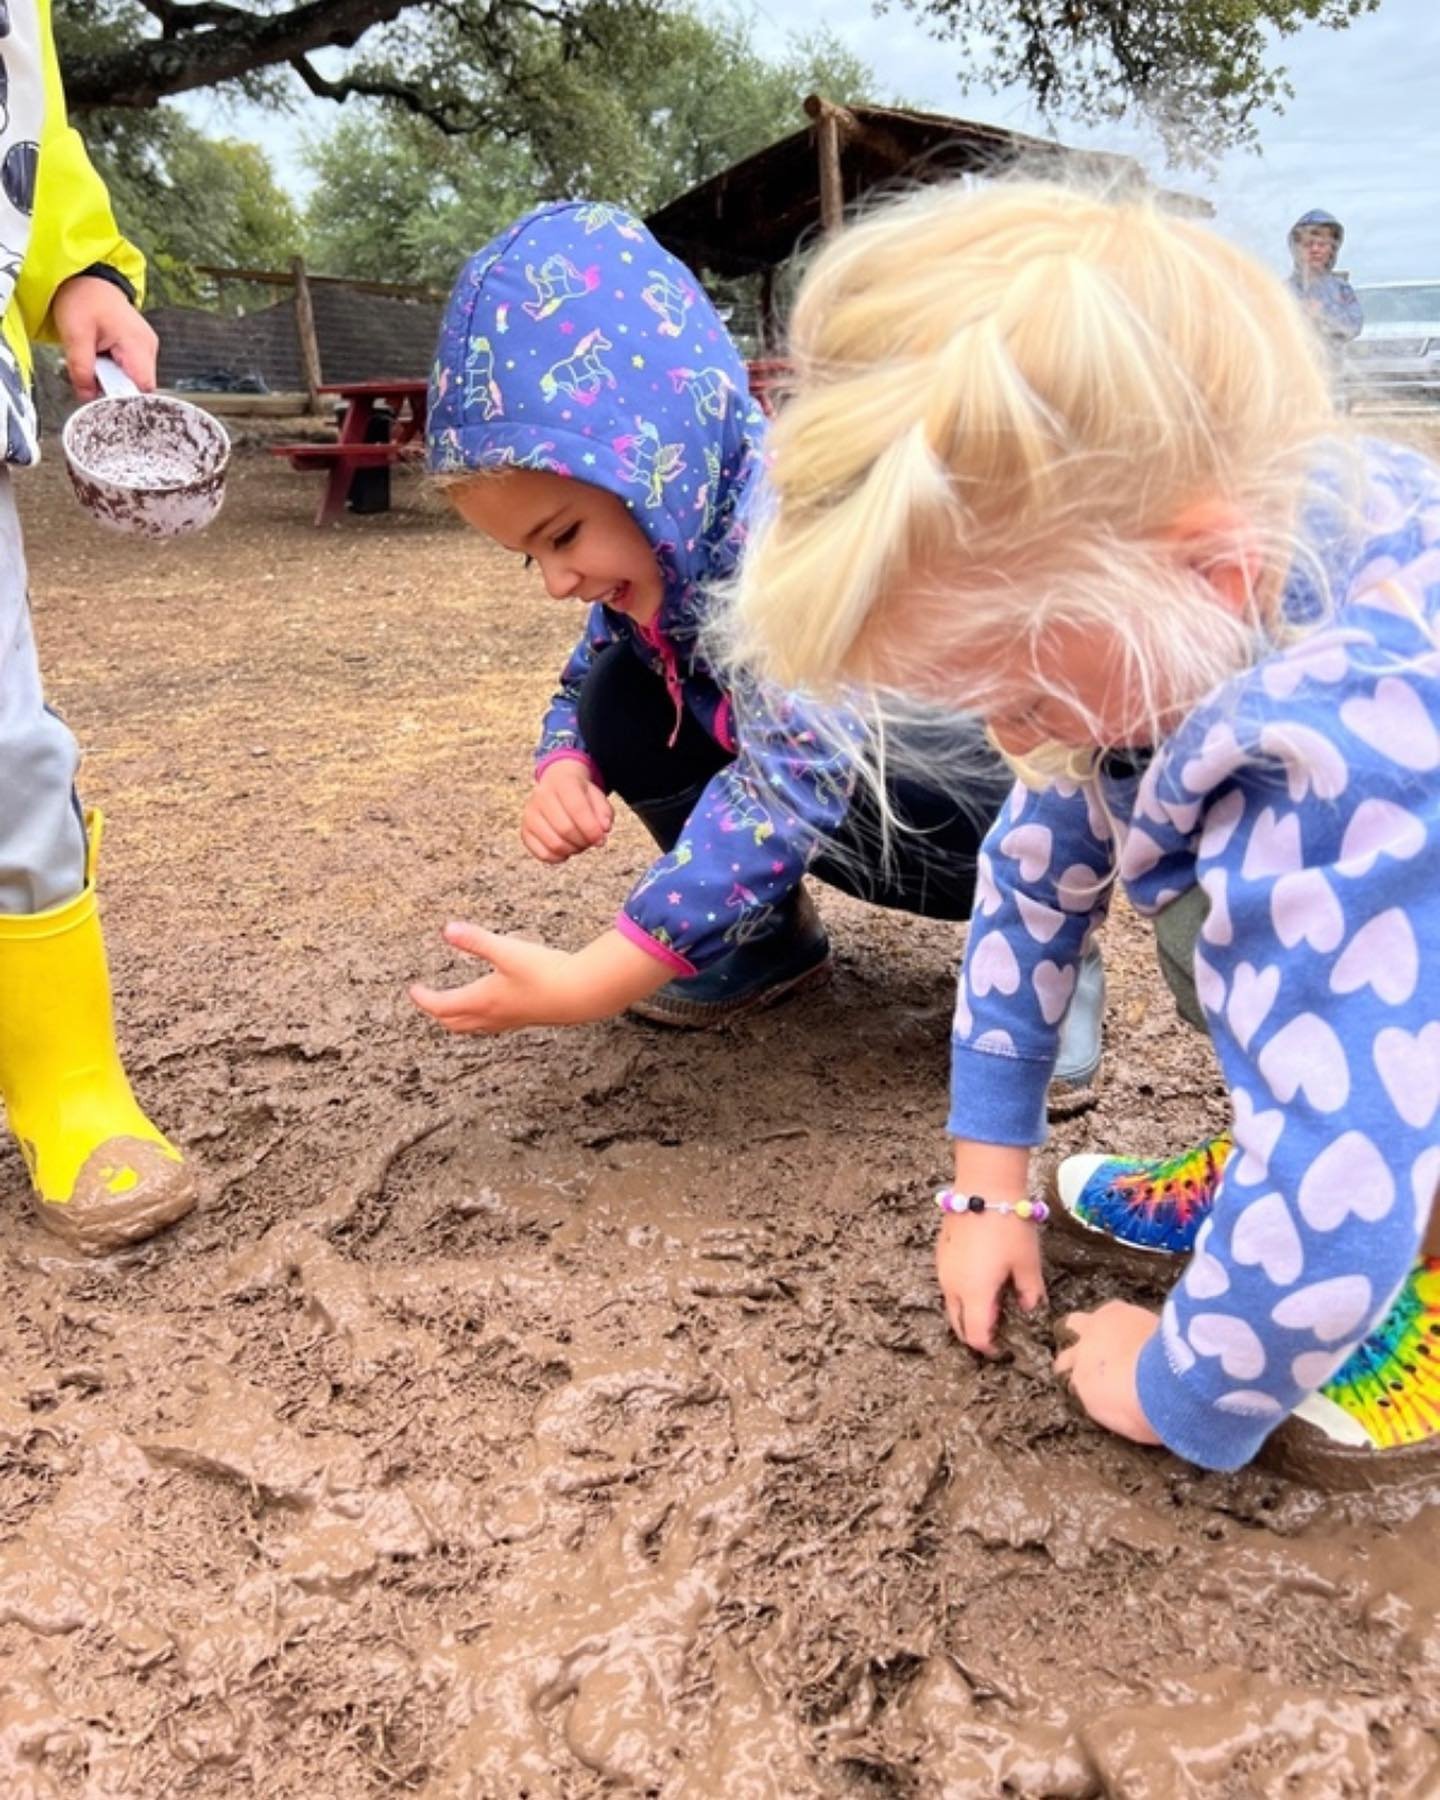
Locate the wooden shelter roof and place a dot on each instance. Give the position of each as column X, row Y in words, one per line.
column 751, row 216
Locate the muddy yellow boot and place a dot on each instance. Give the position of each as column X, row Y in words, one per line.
column 103, row 1175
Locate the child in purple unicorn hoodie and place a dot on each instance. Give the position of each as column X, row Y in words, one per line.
column 590, row 412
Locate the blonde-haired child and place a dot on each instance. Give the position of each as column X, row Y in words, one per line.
column 1070, row 463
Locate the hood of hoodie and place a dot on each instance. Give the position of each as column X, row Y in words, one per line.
column 575, row 344
column 1313, row 218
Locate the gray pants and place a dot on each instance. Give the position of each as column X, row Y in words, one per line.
column 1176, row 928
column 42, row 834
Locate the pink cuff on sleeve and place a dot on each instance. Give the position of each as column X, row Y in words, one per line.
column 592, row 767
column 637, row 934
column 725, row 726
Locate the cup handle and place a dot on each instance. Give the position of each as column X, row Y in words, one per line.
column 112, row 378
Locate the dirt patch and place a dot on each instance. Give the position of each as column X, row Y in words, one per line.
column 574, row 1414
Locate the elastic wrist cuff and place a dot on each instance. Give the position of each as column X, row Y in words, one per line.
column 104, row 272
column 589, row 763
column 637, row 934
column 1190, row 1423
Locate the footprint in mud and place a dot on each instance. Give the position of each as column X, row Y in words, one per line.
column 340, row 1295
column 331, row 1525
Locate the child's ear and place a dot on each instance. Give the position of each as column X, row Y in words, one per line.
column 1218, row 542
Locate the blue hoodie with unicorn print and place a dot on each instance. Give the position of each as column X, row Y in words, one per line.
column 574, row 343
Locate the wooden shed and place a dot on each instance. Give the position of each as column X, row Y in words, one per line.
column 751, row 218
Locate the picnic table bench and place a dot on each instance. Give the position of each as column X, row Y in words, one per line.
column 382, row 425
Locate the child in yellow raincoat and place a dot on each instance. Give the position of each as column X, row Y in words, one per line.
column 102, row 1174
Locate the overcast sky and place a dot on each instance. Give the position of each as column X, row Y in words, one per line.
column 1361, row 137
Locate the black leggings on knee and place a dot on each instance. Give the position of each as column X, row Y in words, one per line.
column 627, row 719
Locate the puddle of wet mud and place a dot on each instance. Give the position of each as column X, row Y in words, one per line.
column 545, row 1483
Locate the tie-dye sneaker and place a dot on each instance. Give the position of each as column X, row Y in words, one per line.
column 1378, row 1416
column 1377, row 1419
column 1145, row 1208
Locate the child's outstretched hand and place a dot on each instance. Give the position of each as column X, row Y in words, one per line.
column 1101, row 1365
column 534, row 985
column 527, row 987
column 565, row 814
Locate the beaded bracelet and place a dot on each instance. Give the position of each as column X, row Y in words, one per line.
column 1036, row 1211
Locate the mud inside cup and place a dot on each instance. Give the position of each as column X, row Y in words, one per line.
column 146, row 464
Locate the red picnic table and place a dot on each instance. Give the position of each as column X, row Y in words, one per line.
column 382, row 423
column 767, row 374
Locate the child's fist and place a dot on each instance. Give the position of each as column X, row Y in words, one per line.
column 565, row 814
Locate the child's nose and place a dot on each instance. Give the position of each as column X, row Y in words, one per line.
column 560, row 580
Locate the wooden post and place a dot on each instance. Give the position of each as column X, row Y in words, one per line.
column 305, row 331
column 769, row 323
column 832, row 185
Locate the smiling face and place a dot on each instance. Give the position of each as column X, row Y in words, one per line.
column 582, row 538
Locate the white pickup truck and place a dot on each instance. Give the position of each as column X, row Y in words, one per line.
column 1398, row 349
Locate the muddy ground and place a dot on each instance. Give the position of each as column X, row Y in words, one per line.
column 574, row 1414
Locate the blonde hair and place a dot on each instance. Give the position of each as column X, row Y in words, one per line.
column 1004, row 400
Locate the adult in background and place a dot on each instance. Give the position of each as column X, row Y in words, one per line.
column 1330, row 302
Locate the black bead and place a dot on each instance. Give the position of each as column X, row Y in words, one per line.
column 976, row 1203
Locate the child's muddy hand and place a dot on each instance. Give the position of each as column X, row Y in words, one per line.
column 976, row 1258
column 1101, row 1365
column 565, row 814
column 530, row 986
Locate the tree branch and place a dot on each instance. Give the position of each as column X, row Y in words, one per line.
column 177, row 16
column 235, row 44
column 445, row 114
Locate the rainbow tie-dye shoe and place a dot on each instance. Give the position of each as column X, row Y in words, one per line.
column 1378, row 1416
column 1151, row 1206
column 1376, row 1419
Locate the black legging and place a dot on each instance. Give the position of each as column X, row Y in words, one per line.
column 626, row 721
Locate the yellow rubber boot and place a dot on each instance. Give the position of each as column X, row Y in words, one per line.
column 103, row 1175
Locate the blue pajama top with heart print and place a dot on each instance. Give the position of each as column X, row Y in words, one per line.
column 574, row 343
column 1304, row 799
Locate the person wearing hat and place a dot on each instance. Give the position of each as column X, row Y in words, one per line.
column 1327, row 297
